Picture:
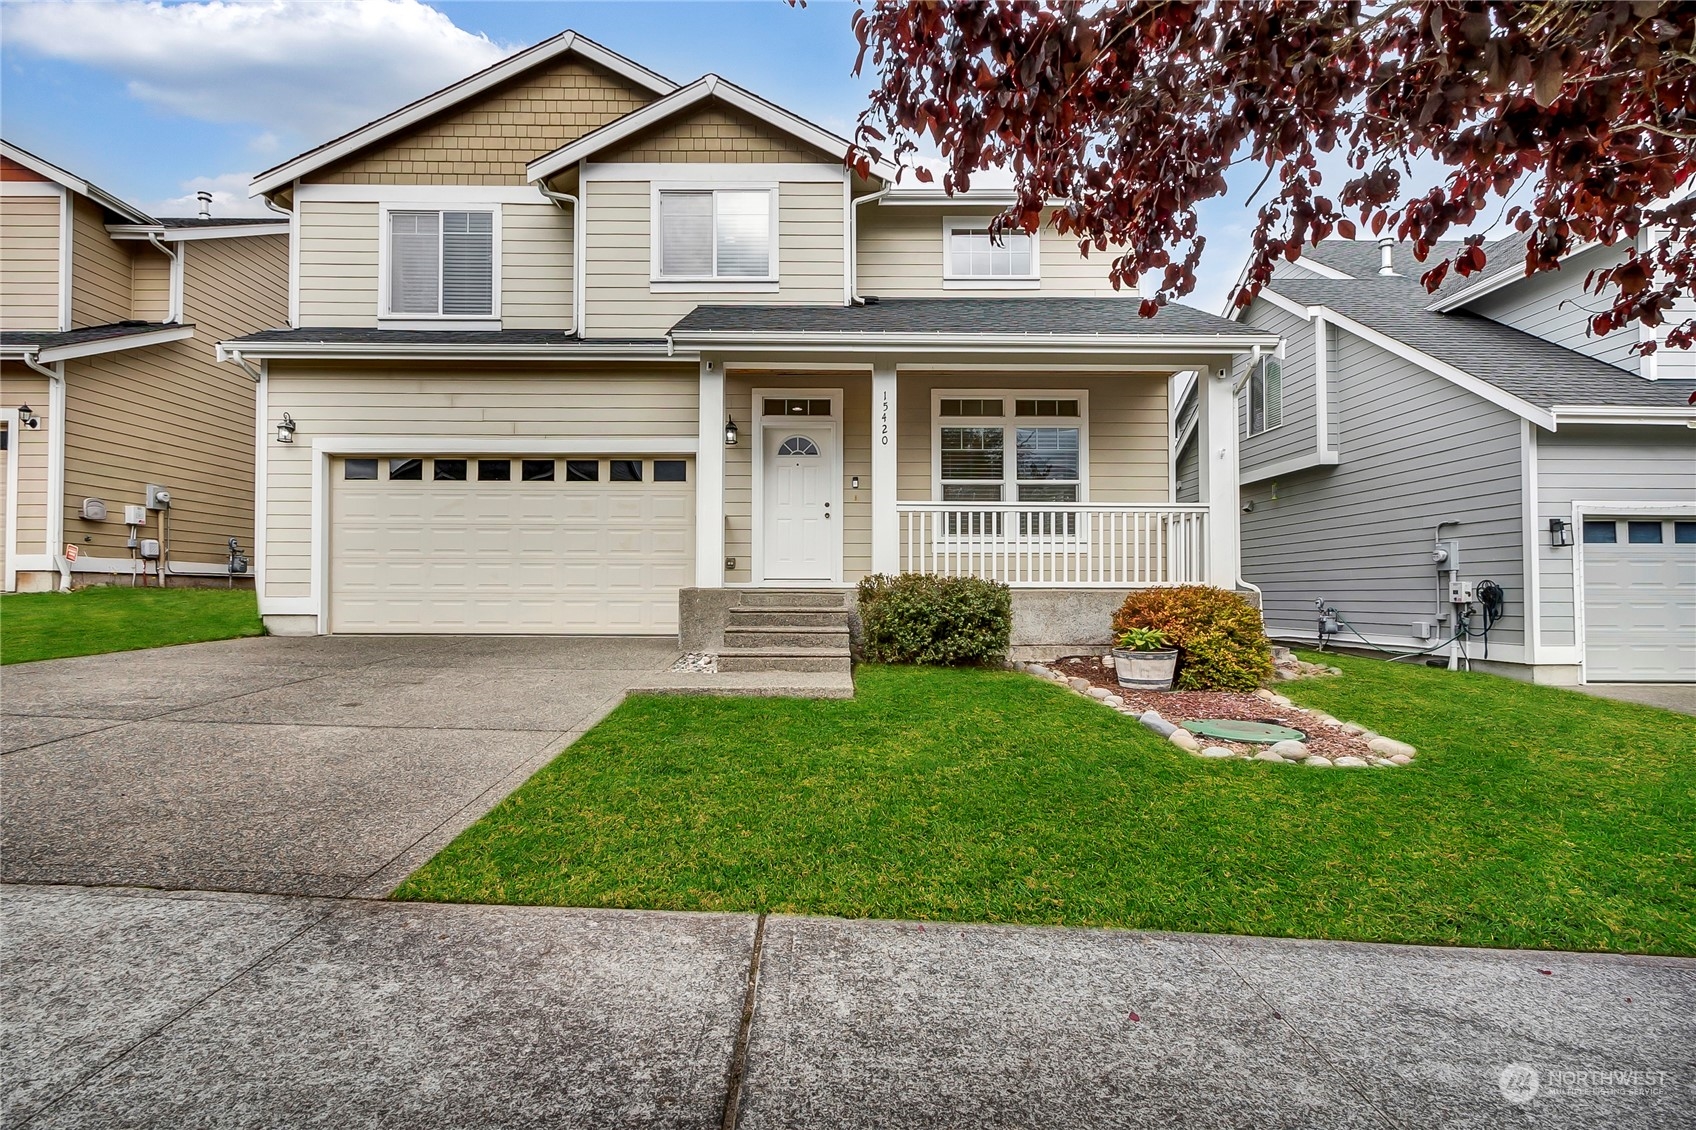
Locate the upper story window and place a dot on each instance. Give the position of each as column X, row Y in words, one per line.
column 1265, row 395
column 974, row 256
column 715, row 235
column 441, row 263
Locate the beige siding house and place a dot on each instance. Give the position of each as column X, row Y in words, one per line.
column 110, row 382
column 571, row 347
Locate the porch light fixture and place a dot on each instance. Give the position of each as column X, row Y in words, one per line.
column 730, row 432
column 285, row 430
column 27, row 418
column 1560, row 533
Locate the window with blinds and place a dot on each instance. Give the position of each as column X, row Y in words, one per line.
column 442, row 263
column 715, row 234
column 1265, row 396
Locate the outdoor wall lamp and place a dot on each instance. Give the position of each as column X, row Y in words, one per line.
column 285, row 430
column 730, row 432
column 1560, row 533
column 27, row 418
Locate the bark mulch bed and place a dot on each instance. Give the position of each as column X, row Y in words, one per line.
column 1241, row 706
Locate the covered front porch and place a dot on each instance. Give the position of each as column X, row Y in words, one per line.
column 1040, row 460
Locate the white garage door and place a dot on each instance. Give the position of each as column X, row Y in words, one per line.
column 515, row 545
column 1640, row 599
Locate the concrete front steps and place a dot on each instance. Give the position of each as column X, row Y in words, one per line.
column 790, row 630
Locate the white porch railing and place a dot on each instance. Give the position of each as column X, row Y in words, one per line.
column 1056, row 545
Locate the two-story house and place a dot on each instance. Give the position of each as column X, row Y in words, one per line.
column 567, row 339
column 110, row 386
column 1469, row 473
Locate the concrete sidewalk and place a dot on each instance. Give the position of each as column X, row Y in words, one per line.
column 128, row 1008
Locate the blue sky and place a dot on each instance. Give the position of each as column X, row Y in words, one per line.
column 153, row 101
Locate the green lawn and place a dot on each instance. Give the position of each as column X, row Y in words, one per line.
column 52, row 625
column 1533, row 817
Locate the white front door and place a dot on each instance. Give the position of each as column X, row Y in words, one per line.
column 800, row 526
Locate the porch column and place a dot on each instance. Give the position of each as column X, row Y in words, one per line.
column 886, row 523
column 709, row 479
column 1216, row 448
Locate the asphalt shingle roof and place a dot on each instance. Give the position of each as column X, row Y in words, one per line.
column 53, row 339
column 1035, row 316
column 1537, row 371
column 219, row 221
column 1358, row 258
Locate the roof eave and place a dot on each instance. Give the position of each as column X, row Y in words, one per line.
column 75, row 183
column 117, row 343
column 447, row 351
column 1198, row 345
column 703, row 88
column 280, row 176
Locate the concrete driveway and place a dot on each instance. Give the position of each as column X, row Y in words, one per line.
column 318, row 766
column 276, row 788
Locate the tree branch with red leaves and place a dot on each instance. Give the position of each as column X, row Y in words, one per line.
column 1126, row 117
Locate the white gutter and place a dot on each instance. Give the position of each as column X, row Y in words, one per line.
column 387, row 351
column 1622, row 414
column 854, row 298
column 1097, row 343
column 173, row 304
column 55, row 464
column 579, row 230
column 225, row 353
column 115, row 344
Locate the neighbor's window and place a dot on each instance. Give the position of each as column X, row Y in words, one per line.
column 975, row 254
column 442, row 263
column 1265, row 395
column 715, row 234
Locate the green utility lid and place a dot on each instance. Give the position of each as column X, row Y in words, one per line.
column 1229, row 730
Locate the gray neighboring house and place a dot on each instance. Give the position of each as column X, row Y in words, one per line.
column 1484, row 420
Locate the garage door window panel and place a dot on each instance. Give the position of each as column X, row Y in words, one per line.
column 494, row 470
column 582, row 470
column 1600, row 533
column 626, row 470
column 670, row 471
column 1643, row 533
column 449, row 470
column 537, row 470
column 360, row 470
column 410, row 470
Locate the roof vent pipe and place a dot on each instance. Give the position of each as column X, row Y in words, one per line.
column 1386, row 256
column 205, row 199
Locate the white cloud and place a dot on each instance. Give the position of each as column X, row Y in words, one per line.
column 305, row 71
column 229, row 198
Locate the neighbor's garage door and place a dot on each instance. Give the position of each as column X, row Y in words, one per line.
column 509, row 545
column 1639, row 599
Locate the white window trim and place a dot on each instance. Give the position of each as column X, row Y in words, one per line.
column 1010, row 420
column 387, row 318
column 1248, row 395
column 661, row 284
column 952, row 280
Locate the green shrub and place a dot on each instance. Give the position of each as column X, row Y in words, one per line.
column 1220, row 638
column 941, row 621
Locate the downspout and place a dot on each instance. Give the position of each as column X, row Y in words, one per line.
column 562, row 200
column 173, row 313
column 55, row 463
column 227, row 354
column 854, row 298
